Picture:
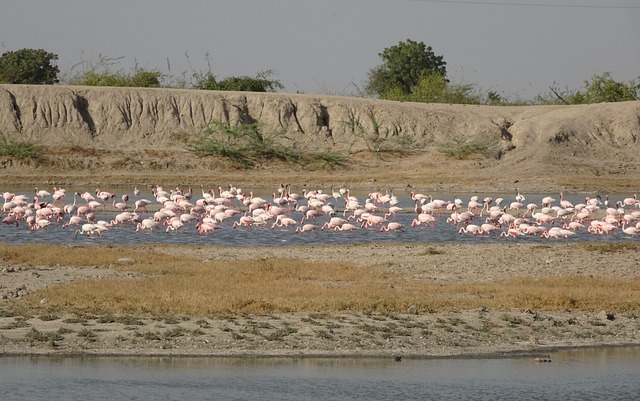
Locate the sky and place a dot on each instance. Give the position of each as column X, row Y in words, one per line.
column 517, row 48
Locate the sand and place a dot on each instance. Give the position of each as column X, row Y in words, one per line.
column 470, row 333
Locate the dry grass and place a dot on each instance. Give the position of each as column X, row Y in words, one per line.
column 182, row 286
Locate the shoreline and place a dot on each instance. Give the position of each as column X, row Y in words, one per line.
column 467, row 334
column 513, row 354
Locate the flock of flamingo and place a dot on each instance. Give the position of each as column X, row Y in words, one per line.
column 176, row 210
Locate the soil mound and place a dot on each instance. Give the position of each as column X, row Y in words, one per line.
column 142, row 134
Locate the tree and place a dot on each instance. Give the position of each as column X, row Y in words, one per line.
column 28, row 66
column 404, row 65
column 603, row 88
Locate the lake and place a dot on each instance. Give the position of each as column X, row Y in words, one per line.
column 583, row 374
column 264, row 235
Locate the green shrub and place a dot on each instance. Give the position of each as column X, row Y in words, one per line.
column 330, row 159
column 465, row 148
column 17, row 148
column 243, row 144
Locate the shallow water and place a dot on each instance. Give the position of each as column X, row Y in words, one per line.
column 589, row 374
column 252, row 236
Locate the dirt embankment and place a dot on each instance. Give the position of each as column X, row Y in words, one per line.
column 137, row 135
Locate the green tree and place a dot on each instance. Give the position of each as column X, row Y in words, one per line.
column 404, row 65
column 29, row 66
column 602, row 88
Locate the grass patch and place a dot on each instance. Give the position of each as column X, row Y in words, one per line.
column 6, row 313
column 179, row 286
column 87, row 334
column 18, row 323
column 376, row 137
column 49, row 318
column 280, row 334
column 329, row 159
column 40, row 336
column 462, row 148
column 431, row 251
column 73, row 320
column 175, row 332
column 20, row 149
column 604, row 248
column 243, row 144
column 323, row 334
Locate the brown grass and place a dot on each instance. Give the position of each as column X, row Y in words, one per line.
column 183, row 286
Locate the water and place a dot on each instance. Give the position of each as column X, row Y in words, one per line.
column 587, row 374
column 265, row 236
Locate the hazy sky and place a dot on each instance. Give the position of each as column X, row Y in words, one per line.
column 515, row 47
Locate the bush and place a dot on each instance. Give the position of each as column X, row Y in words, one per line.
column 100, row 74
column 17, row 148
column 243, row 144
column 464, row 148
column 378, row 139
column 259, row 83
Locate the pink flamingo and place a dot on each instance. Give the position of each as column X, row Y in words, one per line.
column 470, row 228
column 205, row 228
column 74, row 220
column 244, row 221
column 141, row 204
column 424, row 218
column 632, row 231
column 557, row 232
column 512, row 232
column 566, row 204
column 333, row 223
column 283, row 221
column 392, row 226
column 346, row 227
column 174, row 225
column 88, row 229
column 121, row 206
column 147, row 224
column 10, row 220
column 306, row 228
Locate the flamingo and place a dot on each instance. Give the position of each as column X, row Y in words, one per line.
column 147, row 224
column 244, row 221
column 346, row 227
column 174, row 225
column 333, row 223
column 283, row 221
column 205, row 228
column 306, row 228
column 424, row 218
column 121, row 206
column 470, row 228
column 88, row 229
column 557, row 232
column 512, row 232
column 631, row 201
column 10, row 220
column 42, row 193
column 392, row 226
column 632, row 231
column 568, row 205
column 74, row 220
column 141, row 204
